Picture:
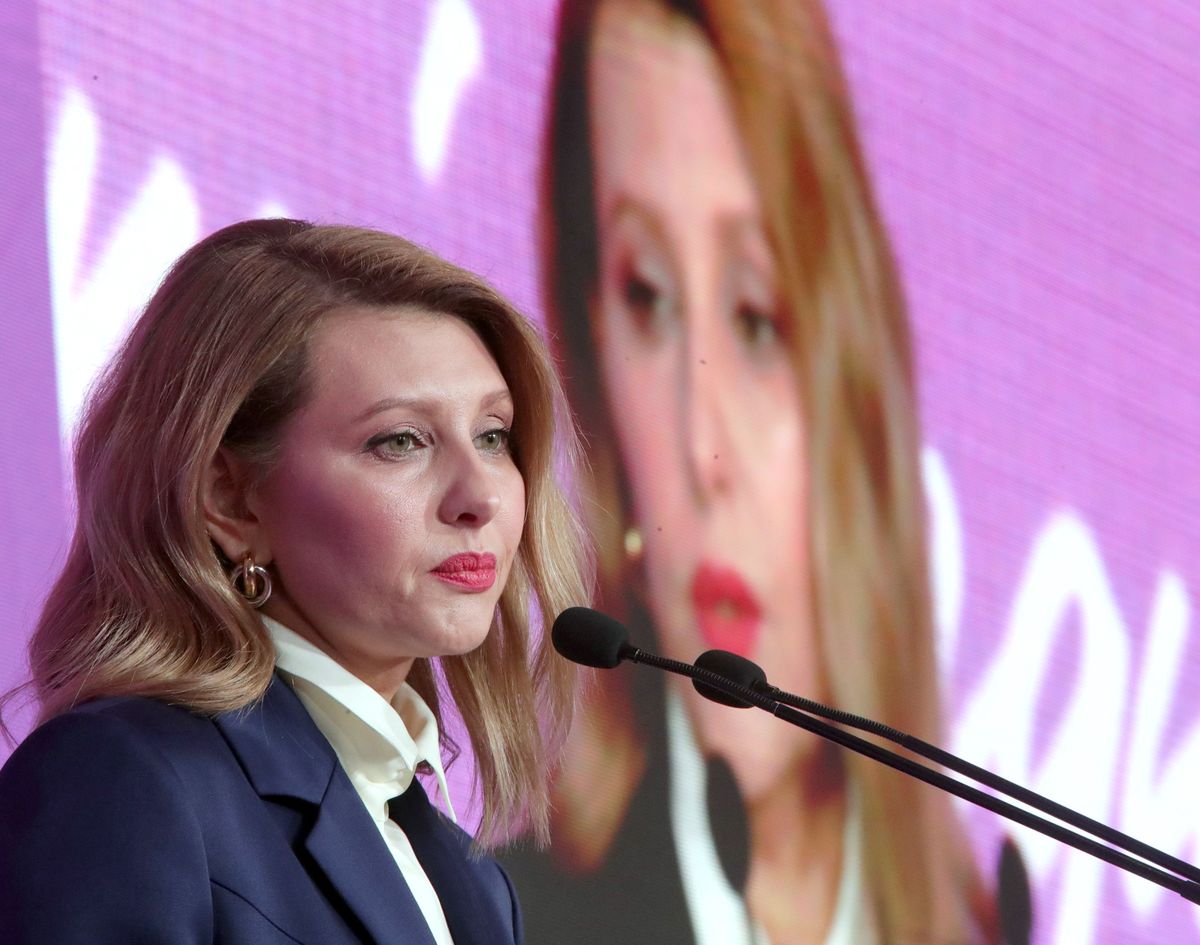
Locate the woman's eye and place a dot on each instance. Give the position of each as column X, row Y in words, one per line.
column 395, row 444
column 756, row 328
column 640, row 293
column 645, row 299
column 494, row 441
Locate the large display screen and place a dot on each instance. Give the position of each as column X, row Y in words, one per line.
column 880, row 320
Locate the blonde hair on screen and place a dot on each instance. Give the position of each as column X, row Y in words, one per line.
column 853, row 360
column 144, row 606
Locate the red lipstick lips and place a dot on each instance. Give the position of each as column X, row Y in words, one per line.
column 728, row 613
column 471, row 571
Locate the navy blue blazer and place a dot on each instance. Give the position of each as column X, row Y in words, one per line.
column 130, row 821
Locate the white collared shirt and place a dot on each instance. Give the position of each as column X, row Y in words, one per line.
column 379, row 745
column 717, row 911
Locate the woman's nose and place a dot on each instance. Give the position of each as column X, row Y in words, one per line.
column 471, row 497
column 704, row 428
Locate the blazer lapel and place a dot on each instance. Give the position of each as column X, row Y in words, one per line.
column 286, row 758
column 472, row 908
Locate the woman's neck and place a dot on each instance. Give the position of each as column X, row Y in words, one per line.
column 797, row 835
column 384, row 676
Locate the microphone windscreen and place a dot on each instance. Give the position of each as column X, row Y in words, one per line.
column 737, row 669
column 589, row 637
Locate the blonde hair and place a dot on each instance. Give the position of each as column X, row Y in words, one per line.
column 853, row 360
column 143, row 605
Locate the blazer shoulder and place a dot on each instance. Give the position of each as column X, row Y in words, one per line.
column 113, row 738
column 96, row 825
column 141, row 713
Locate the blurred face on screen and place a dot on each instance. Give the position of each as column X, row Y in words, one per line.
column 701, row 384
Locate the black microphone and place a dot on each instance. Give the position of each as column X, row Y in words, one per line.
column 590, row 638
column 736, row 669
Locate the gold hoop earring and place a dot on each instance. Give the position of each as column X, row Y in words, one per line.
column 633, row 544
column 251, row 581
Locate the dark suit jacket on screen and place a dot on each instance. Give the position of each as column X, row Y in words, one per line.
column 128, row 820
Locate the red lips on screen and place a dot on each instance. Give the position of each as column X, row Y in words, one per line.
column 727, row 612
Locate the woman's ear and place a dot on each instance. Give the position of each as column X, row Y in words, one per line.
column 227, row 515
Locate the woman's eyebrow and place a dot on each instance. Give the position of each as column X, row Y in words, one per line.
column 392, row 403
column 735, row 228
column 497, row 397
column 491, row 399
column 626, row 209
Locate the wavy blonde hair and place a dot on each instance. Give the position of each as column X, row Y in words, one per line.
column 853, row 361
column 143, row 605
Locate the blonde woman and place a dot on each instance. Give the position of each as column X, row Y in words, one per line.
column 316, row 507
column 738, row 357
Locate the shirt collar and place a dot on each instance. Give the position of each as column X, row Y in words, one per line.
column 379, row 743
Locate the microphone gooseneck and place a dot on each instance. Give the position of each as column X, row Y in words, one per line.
column 744, row 672
column 594, row 639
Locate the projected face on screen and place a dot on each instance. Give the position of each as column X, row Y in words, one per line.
column 694, row 353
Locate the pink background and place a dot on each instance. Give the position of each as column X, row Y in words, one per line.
column 1039, row 169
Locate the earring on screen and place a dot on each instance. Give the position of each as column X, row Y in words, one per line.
column 251, row 581
column 634, row 546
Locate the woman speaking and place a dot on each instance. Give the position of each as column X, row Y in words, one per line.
column 316, row 507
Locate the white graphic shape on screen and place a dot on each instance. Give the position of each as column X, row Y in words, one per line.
column 93, row 309
column 947, row 563
column 1159, row 797
column 272, row 210
column 451, row 56
column 1079, row 761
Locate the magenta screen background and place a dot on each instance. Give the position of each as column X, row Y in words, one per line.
column 1038, row 164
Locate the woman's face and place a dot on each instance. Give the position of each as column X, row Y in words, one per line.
column 701, row 385
column 394, row 512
